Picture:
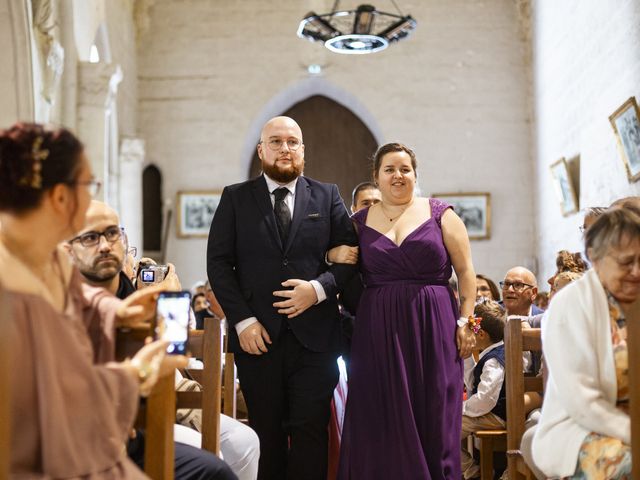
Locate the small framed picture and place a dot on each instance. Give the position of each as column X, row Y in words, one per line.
column 563, row 187
column 195, row 212
column 475, row 211
column 626, row 125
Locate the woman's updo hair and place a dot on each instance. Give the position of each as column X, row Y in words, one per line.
column 34, row 158
column 609, row 230
column 570, row 262
column 392, row 147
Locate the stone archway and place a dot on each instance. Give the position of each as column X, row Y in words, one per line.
column 338, row 145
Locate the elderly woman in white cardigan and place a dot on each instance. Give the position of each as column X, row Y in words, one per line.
column 584, row 431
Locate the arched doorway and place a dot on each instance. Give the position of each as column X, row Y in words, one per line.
column 338, row 145
column 152, row 209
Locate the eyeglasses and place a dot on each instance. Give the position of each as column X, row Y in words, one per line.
column 517, row 286
column 275, row 144
column 626, row 263
column 133, row 251
column 91, row 239
column 93, row 186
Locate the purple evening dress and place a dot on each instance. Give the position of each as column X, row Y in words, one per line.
column 404, row 409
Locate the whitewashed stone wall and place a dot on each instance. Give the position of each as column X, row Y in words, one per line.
column 586, row 64
column 211, row 72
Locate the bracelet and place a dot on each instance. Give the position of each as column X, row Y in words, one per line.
column 462, row 321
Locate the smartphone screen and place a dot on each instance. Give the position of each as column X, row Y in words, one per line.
column 172, row 320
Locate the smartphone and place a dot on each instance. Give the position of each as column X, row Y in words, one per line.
column 172, row 320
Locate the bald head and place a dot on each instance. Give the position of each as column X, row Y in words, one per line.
column 99, row 249
column 281, row 150
column 100, row 211
column 277, row 124
column 524, row 273
column 519, row 290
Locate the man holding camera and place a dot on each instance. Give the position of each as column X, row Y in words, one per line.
column 266, row 264
column 99, row 252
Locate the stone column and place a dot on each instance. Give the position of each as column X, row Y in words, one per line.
column 97, row 123
column 131, row 161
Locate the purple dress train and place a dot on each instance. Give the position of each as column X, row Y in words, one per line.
column 404, row 409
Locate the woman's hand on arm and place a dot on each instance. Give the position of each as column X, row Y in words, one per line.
column 343, row 254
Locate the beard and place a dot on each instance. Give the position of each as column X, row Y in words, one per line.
column 100, row 272
column 286, row 174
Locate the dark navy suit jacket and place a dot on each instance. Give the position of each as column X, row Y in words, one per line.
column 247, row 262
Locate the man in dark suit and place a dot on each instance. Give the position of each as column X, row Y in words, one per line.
column 266, row 264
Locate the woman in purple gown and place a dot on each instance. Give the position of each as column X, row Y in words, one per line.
column 404, row 407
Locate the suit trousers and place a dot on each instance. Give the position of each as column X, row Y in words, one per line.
column 288, row 391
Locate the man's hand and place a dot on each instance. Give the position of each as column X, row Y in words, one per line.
column 139, row 308
column 343, row 254
column 300, row 298
column 253, row 338
column 466, row 341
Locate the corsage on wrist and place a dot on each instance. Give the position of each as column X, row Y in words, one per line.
column 474, row 324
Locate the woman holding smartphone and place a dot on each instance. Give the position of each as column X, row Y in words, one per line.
column 69, row 417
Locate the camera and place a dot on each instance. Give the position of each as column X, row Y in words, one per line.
column 153, row 274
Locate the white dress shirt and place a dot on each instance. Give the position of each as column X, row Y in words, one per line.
column 491, row 380
column 272, row 185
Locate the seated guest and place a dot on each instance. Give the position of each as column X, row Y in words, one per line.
column 519, row 290
column 590, row 216
column 587, row 396
column 364, row 195
column 568, row 262
column 98, row 251
column 486, row 405
column 486, row 288
column 542, row 300
column 199, row 303
column 70, row 418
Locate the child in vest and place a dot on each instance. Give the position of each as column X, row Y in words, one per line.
column 486, row 405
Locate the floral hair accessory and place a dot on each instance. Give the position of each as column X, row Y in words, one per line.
column 474, row 324
column 38, row 154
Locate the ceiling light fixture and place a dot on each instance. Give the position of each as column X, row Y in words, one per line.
column 367, row 29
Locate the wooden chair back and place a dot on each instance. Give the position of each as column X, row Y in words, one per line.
column 633, row 342
column 207, row 345
column 5, row 345
column 157, row 414
column 518, row 340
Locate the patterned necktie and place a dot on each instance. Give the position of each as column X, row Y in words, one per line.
column 283, row 214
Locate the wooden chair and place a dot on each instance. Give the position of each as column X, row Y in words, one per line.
column 518, row 340
column 491, row 441
column 5, row 344
column 633, row 342
column 157, row 414
column 207, row 345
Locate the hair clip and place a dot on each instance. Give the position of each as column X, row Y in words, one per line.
column 34, row 180
column 474, row 324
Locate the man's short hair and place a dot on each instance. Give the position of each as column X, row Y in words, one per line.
column 493, row 319
column 360, row 187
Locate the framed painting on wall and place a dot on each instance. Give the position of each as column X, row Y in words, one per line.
column 475, row 211
column 195, row 212
column 626, row 125
column 563, row 187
